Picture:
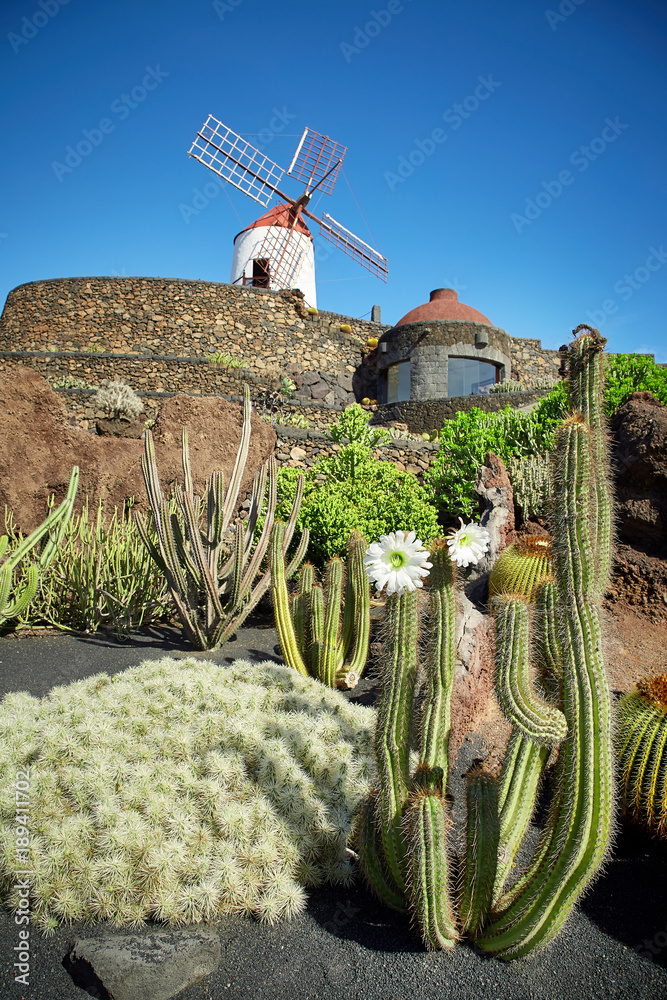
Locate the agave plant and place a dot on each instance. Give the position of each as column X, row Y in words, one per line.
column 212, row 583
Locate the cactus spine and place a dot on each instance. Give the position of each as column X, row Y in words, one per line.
column 642, row 752
column 403, row 828
column 580, row 816
column 316, row 634
column 523, row 706
column 214, row 591
column 522, row 567
column 403, row 832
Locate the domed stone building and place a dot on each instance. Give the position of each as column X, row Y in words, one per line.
column 441, row 349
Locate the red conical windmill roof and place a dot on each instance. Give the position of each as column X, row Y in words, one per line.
column 280, row 215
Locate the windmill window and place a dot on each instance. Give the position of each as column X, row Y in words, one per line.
column 260, row 272
column 398, row 382
column 469, row 377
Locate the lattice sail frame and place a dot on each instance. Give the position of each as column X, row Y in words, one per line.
column 315, row 155
column 286, row 251
column 240, row 163
column 353, row 246
column 236, row 161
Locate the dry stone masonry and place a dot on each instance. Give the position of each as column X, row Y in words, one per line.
column 164, row 336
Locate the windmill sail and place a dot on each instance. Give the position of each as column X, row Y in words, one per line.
column 353, row 246
column 317, row 158
column 235, row 160
column 282, row 253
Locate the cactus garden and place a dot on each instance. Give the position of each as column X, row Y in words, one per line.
column 181, row 791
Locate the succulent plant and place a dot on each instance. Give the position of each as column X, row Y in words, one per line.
column 323, row 624
column 531, row 478
column 522, row 567
column 508, row 385
column 180, row 790
column 117, row 399
column 641, row 743
column 403, row 828
column 54, row 525
column 214, row 589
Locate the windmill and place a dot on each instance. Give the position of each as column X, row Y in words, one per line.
column 278, row 246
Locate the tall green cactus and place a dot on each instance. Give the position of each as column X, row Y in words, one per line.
column 54, row 525
column 325, row 624
column 402, row 835
column 402, row 832
column 214, row 590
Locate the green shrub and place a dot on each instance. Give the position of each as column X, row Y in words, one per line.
column 352, row 427
column 628, row 373
column 379, row 499
column 225, row 360
column 465, row 441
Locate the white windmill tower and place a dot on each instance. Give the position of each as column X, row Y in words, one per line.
column 276, row 251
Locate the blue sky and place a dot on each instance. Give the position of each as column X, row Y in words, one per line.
column 514, row 151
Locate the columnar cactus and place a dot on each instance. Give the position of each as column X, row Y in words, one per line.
column 316, row 635
column 214, row 590
column 403, row 829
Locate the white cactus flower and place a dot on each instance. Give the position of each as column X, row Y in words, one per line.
column 468, row 543
column 397, row 561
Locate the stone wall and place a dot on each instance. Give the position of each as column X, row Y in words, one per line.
column 297, row 447
column 158, row 334
column 532, row 363
column 176, row 317
column 80, row 408
column 424, row 417
column 155, row 373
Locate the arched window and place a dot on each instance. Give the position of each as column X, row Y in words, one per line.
column 469, row 377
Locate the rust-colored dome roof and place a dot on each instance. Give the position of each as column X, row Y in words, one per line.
column 280, row 215
column 444, row 304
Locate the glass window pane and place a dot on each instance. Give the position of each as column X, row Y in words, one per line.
column 398, row 382
column 467, row 377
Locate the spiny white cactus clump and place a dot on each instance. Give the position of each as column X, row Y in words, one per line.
column 180, row 790
column 118, row 400
column 508, row 385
